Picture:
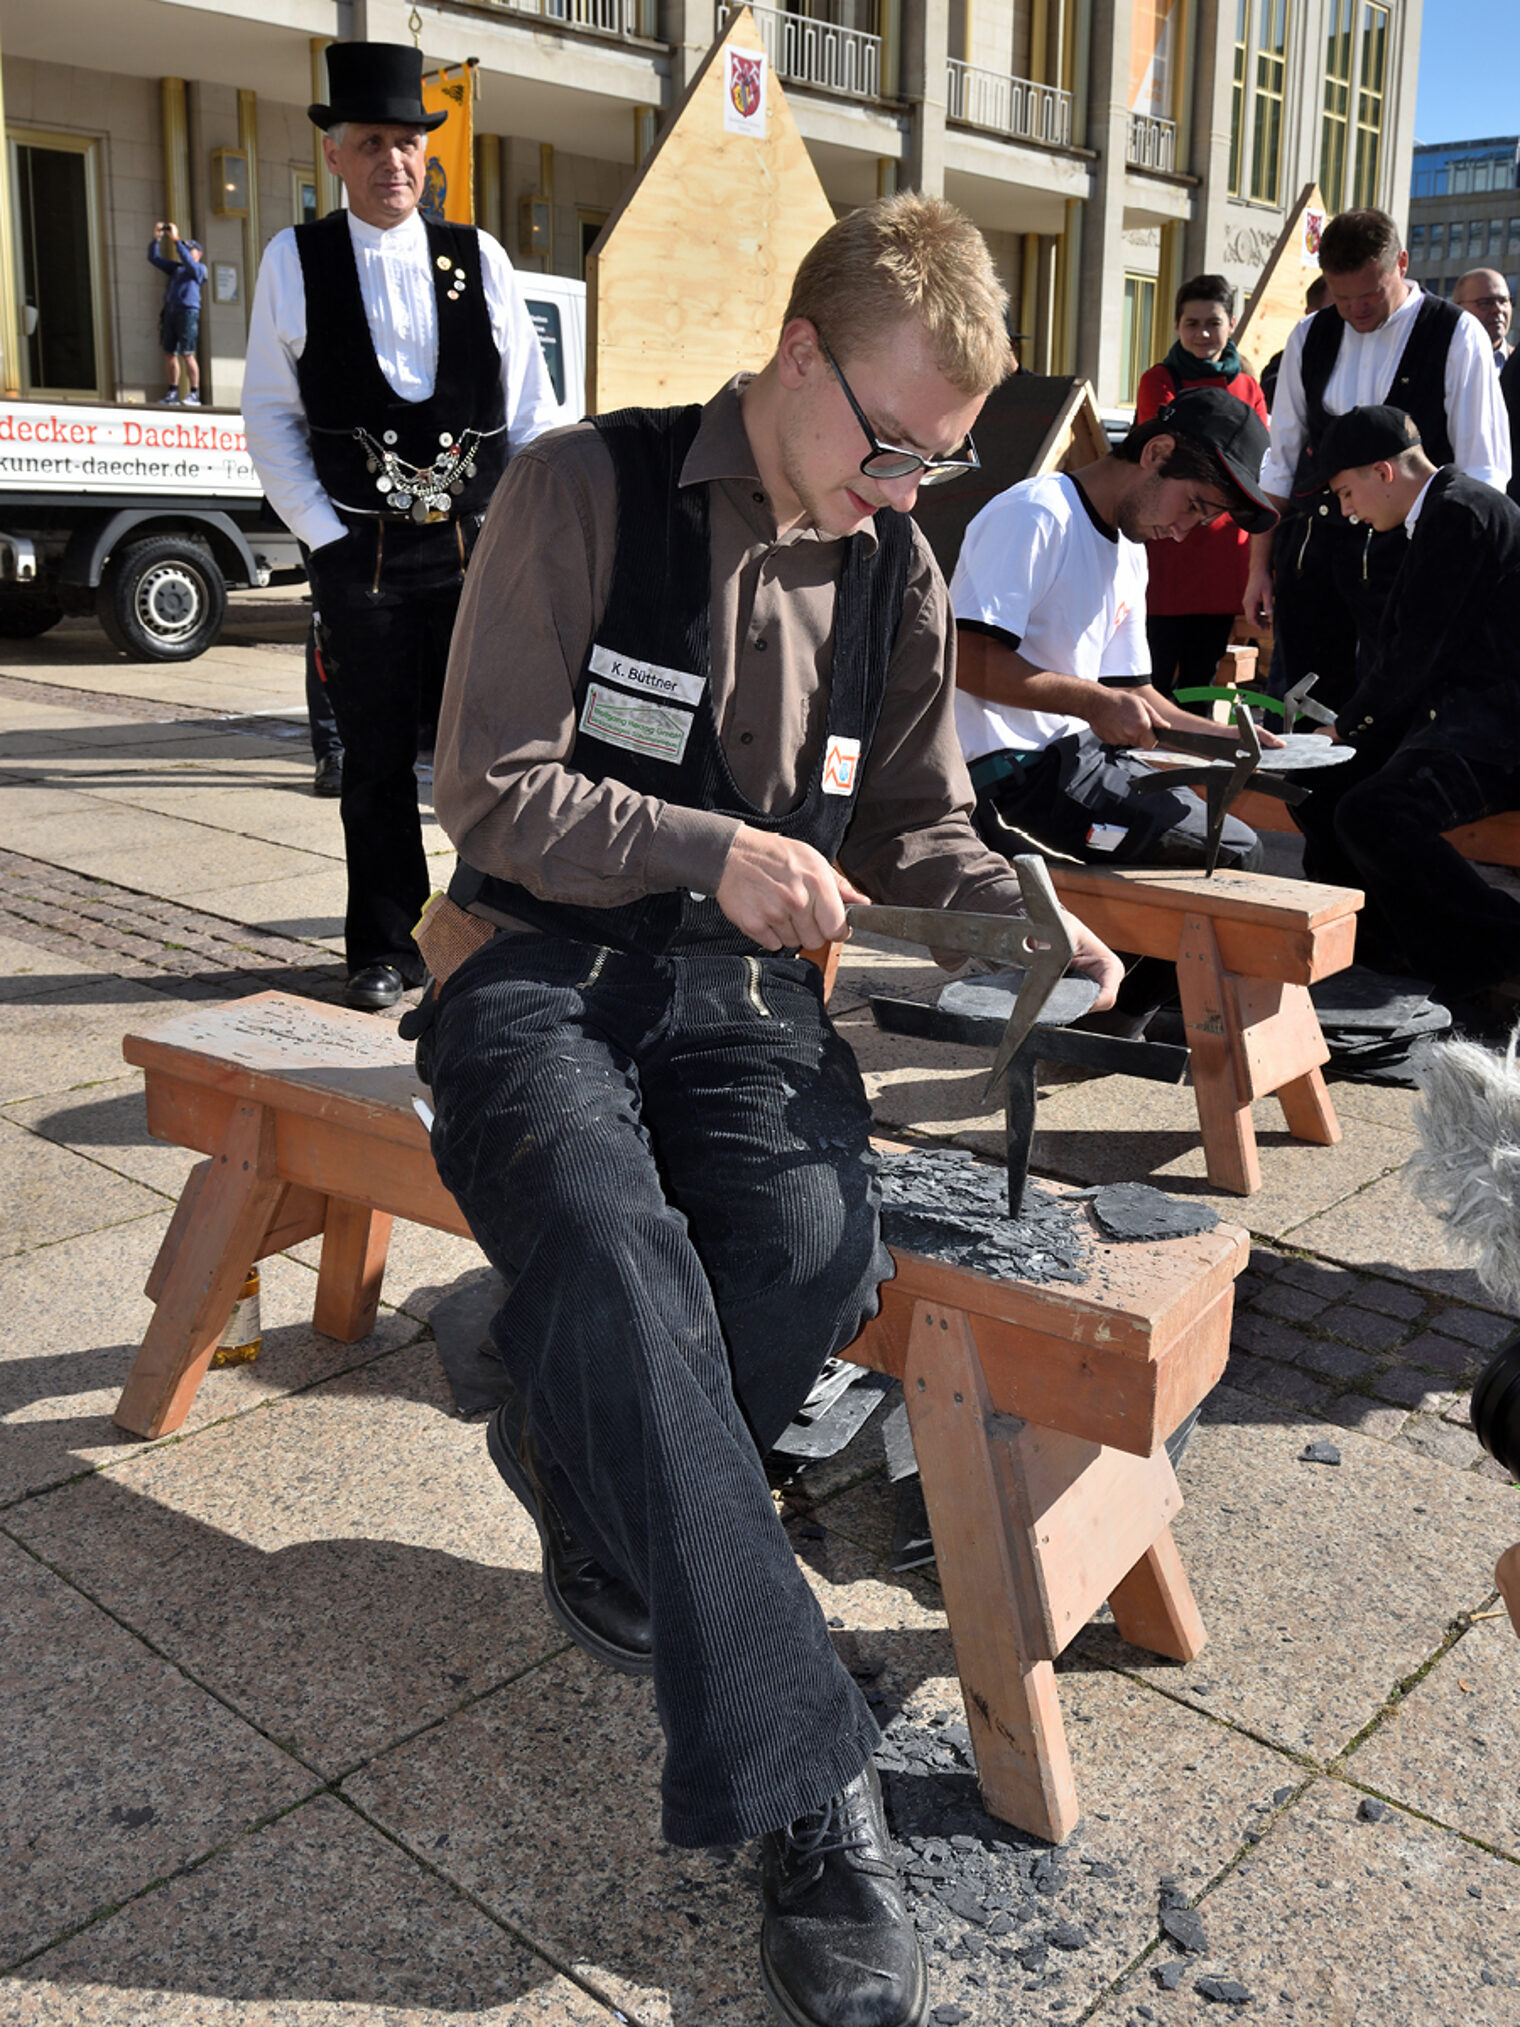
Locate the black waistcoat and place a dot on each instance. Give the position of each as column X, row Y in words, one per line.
column 375, row 453
column 644, row 713
column 1419, row 383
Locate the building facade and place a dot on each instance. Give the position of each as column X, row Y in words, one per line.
column 1106, row 147
column 1464, row 211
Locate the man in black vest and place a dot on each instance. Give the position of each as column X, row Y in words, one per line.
column 391, row 365
column 1320, row 579
column 1436, row 725
column 704, row 659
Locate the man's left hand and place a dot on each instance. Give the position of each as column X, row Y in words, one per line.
column 1094, row 959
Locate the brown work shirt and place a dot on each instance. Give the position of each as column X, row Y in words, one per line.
column 537, row 587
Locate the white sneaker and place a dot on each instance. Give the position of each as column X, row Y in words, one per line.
column 192, row 399
column 171, row 399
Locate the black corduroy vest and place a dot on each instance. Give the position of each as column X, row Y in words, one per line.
column 644, row 712
column 1418, row 387
column 375, row 453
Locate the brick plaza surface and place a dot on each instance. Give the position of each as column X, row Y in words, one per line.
column 290, row 1736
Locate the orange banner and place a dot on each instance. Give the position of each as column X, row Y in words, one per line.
column 450, row 189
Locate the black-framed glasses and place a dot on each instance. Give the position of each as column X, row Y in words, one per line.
column 888, row 461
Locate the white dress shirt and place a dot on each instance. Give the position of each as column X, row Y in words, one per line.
column 401, row 307
column 1364, row 371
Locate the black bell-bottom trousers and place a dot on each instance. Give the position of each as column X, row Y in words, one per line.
column 668, row 1160
column 1376, row 822
column 384, row 601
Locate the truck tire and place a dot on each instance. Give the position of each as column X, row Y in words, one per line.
column 162, row 599
column 25, row 614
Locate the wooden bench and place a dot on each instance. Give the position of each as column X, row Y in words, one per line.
column 1491, row 841
column 1247, row 947
column 1038, row 1412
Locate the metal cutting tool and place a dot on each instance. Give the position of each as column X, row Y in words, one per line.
column 1235, row 754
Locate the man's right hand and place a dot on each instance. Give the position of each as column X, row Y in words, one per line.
column 1122, row 718
column 1257, row 603
column 781, row 893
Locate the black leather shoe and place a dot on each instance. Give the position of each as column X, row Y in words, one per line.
column 328, row 779
column 374, row 986
column 837, row 1946
column 598, row 1610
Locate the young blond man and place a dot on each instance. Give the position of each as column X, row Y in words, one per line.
column 700, row 700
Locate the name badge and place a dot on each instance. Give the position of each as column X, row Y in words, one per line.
column 675, row 686
column 840, row 760
column 638, row 724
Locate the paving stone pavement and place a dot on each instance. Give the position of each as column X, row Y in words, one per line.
column 290, row 1737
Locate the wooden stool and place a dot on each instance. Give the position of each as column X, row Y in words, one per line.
column 1038, row 1414
column 1037, row 1410
column 1247, row 947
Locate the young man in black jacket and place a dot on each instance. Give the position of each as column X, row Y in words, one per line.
column 1436, row 722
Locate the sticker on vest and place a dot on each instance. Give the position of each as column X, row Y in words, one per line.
column 675, row 685
column 660, row 730
column 840, row 760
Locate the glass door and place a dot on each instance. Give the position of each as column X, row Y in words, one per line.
column 58, row 257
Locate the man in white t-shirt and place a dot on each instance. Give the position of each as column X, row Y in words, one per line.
column 1052, row 687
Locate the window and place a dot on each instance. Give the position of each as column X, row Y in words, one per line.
column 1373, row 69
column 1137, row 334
column 1256, row 103
column 1238, row 99
column 1474, row 238
column 1495, row 235
column 55, row 181
column 1437, row 239
column 303, row 195
column 1514, row 235
column 1416, row 242
column 1340, row 20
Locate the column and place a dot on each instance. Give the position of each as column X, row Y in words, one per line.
column 10, row 323
column 1100, row 289
column 1208, row 155
column 925, row 54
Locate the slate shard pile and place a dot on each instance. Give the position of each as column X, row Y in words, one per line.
column 947, row 1205
column 1374, row 1024
column 1002, row 1907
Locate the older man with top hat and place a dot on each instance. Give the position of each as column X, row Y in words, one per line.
column 392, row 368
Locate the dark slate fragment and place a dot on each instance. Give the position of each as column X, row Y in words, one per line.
column 1224, row 1991
column 1032, row 1957
column 1370, row 1811
column 949, row 2016
column 1067, row 1936
column 962, row 1901
column 1169, row 1974
column 953, row 1208
column 1185, row 1927
column 1320, row 1451
column 1132, row 1211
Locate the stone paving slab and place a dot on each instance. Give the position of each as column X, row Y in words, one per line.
column 116, row 1769
column 1334, row 1919
column 341, row 1567
column 1383, row 1229
column 1451, row 1749
column 49, row 1193
column 316, row 1920
column 75, row 1315
column 53, row 1043
column 1322, row 1587
column 108, row 1122
column 308, row 905
column 26, row 972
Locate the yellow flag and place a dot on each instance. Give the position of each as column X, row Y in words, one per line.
column 449, row 192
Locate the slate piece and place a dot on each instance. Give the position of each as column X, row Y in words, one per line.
column 1185, row 1927
column 840, row 1405
column 1358, row 998
column 952, row 1207
column 1135, row 1211
column 1320, row 1451
column 1227, row 1991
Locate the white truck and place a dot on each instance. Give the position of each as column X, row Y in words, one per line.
column 146, row 517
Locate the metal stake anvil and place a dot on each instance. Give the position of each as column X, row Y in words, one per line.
column 1038, row 945
column 1236, row 754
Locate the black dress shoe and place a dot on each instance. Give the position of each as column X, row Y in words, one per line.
column 328, row 779
column 374, row 986
column 598, row 1610
column 837, row 1946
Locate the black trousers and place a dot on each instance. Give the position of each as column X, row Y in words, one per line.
column 1376, row 822
column 1186, row 647
column 1078, row 792
column 668, row 1159
column 384, row 601
column 321, row 723
column 1331, row 579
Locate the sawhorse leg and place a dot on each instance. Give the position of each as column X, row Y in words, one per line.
column 1032, row 1530
column 228, row 1207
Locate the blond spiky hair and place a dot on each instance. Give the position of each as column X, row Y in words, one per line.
column 908, row 256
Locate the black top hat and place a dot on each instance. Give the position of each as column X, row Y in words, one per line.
column 377, row 84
